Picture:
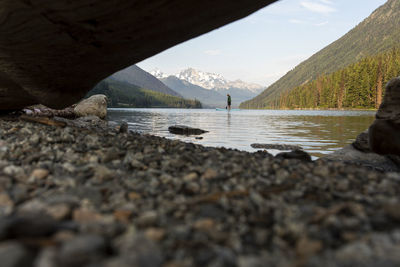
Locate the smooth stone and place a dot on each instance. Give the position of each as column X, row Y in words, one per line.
column 138, row 250
column 82, row 250
column 6, row 204
column 28, row 226
column 46, row 258
column 13, row 254
column 95, row 105
column 39, row 174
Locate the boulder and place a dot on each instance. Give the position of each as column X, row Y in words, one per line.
column 362, row 143
column 95, row 105
column 384, row 133
column 360, row 153
column 185, row 130
column 54, row 51
column 371, row 160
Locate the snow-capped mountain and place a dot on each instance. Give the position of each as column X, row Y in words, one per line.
column 210, row 88
column 158, row 74
column 216, row 82
column 210, row 81
column 204, row 79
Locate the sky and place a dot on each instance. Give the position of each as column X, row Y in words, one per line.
column 264, row 46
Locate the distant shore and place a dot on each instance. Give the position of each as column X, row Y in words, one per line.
column 334, row 109
column 96, row 196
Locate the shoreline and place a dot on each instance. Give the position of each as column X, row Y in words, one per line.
column 318, row 109
column 77, row 196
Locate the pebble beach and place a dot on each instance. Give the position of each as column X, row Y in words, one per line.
column 90, row 194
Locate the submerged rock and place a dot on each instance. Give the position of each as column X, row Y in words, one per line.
column 185, row 130
column 277, row 146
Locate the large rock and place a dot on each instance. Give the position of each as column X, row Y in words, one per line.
column 350, row 154
column 53, row 51
column 384, row 133
column 360, row 153
column 95, row 105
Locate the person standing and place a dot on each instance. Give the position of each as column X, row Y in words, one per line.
column 229, row 101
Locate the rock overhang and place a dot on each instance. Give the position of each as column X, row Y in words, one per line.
column 53, row 51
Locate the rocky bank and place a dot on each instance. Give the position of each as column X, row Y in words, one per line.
column 73, row 195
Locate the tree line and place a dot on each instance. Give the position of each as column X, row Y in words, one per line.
column 357, row 86
column 121, row 94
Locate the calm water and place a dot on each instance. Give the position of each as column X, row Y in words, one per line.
column 318, row 132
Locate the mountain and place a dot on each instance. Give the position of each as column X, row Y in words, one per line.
column 358, row 86
column 192, row 83
column 136, row 76
column 214, row 81
column 376, row 34
column 123, row 94
column 209, row 98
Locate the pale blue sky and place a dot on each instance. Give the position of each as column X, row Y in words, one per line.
column 265, row 45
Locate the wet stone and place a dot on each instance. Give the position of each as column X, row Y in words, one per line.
column 82, row 250
column 296, row 154
column 13, row 254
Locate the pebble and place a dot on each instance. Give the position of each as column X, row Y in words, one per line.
column 147, row 218
column 209, row 174
column 59, row 212
column 82, row 250
column 39, row 174
column 13, row 254
column 126, row 199
column 85, row 216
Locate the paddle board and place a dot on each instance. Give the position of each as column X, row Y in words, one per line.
column 224, row 109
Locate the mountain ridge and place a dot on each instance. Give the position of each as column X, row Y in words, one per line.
column 209, row 80
column 136, row 76
column 121, row 94
column 375, row 34
column 209, row 98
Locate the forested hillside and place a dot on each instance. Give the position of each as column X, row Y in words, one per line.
column 378, row 33
column 358, row 86
column 122, row 94
column 136, row 76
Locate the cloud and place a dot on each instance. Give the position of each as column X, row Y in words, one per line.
column 212, row 52
column 326, row 2
column 322, row 6
column 321, row 23
column 296, row 21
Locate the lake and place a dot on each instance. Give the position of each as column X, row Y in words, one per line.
column 317, row 132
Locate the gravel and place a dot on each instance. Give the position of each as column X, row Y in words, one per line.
column 91, row 195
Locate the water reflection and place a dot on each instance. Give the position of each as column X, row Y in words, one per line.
column 318, row 132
